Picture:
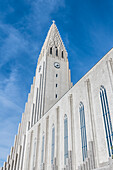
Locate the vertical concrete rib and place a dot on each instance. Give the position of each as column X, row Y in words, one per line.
column 46, row 142
column 23, row 150
column 41, row 100
column 72, row 132
column 30, row 149
column 36, row 106
column 44, row 87
column 92, row 119
column 38, row 109
column 19, row 156
column 58, row 138
column 32, row 118
column 110, row 71
column 37, row 150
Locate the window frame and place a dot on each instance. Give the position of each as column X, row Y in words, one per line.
column 83, row 131
column 107, row 119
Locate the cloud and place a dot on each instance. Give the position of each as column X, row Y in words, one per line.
column 21, row 38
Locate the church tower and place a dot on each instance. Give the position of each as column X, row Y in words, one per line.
column 52, row 78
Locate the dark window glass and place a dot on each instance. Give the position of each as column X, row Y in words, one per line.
column 56, row 75
column 56, row 95
column 83, row 131
column 51, row 50
column 56, row 52
column 62, row 54
column 107, row 119
column 56, row 85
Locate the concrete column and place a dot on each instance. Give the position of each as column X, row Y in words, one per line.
column 11, row 153
column 93, row 132
column 72, row 132
column 15, row 144
column 23, row 151
column 4, row 167
column 37, row 164
column 12, row 164
column 43, row 88
column 44, row 82
column 19, row 156
column 15, row 161
column 39, row 98
column 30, row 151
column 32, row 114
column 46, row 143
column 25, row 163
column 8, row 166
column 109, row 64
column 58, row 139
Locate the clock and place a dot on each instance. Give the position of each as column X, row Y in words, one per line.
column 56, row 65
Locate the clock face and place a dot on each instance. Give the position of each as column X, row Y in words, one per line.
column 57, row 65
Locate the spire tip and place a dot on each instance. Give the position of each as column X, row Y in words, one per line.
column 53, row 21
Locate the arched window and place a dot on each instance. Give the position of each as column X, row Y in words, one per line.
column 83, row 131
column 62, row 54
column 107, row 119
column 42, row 152
column 56, row 51
column 53, row 144
column 65, row 138
column 51, row 50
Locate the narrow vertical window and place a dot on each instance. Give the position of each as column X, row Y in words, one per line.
column 56, row 95
column 107, row 119
column 51, row 50
column 65, row 138
column 83, row 131
column 62, row 54
column 56, row 51
column 56, row 75
column 42, row 153
column 53, row 144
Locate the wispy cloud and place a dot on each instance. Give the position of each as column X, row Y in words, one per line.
column 21, row 38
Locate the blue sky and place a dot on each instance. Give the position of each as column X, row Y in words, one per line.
column 86, row 28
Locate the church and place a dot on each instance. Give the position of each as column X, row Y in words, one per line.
column 65, row 127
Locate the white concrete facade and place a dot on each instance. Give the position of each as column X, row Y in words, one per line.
column 44, row 110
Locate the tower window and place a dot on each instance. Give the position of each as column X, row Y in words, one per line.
column 56, row 75
column 56, row 85
column 62, row 54
column 56, row 95
column 56, row 51
column 51, row 50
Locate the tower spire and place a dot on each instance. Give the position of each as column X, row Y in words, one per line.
column 53, row 21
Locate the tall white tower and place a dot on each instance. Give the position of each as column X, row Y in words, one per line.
column 52, row 79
